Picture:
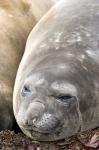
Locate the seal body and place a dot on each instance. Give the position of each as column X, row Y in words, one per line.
column 56, row 92
column 15, row 24
column 40, row 7
column 17, row 19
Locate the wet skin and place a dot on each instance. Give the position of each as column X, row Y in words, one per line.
column 56, row 90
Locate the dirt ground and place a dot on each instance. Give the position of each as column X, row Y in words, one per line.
column 83, row 141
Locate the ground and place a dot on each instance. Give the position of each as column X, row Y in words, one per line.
column 83, row 141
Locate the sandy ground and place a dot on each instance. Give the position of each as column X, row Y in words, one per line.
column 83, row 141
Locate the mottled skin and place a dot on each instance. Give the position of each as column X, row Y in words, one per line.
column 17, row 18
column 56, row 92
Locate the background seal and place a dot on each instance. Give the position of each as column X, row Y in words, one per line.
column 17, row 18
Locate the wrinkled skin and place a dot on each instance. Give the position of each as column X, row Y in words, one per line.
column 56, row 91
column 17, row 19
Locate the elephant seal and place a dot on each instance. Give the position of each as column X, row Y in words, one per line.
column 17, row 19
column 56, row 92
column 40, row 7
column 15, row 24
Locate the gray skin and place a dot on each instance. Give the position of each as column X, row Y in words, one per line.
column 17, row 18
column 56, row 92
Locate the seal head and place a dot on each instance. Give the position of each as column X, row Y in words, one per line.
column 49, row 102
column 56, row 91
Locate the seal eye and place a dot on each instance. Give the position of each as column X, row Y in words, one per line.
column 26, row 91
column 66, row 99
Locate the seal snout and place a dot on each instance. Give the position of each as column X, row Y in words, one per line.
column 42, row 121
column 47, row 123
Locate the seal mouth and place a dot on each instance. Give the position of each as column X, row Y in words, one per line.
column 46, row 124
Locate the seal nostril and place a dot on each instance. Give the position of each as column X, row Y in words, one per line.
column 47, row 123
column 34, row 120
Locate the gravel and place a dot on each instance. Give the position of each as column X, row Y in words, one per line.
column 9, row 140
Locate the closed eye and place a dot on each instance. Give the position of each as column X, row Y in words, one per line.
column 66, row 99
